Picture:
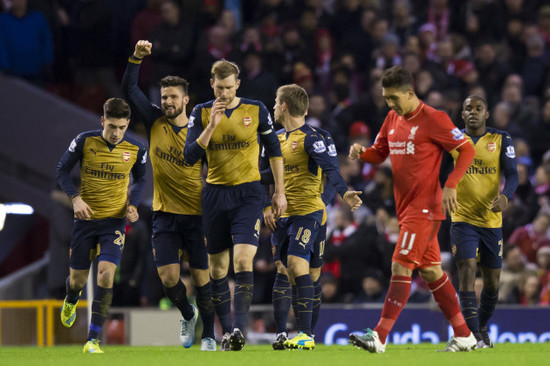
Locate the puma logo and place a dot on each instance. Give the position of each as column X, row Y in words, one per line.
column 304, row 304
column 279, row 291
column 216, row 298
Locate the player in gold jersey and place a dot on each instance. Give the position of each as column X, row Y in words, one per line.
column 476, row 232
column 306, row 157
column 106, row 157
column 177, row 224
column 227, row 131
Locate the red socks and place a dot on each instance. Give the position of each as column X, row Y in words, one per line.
column 445, row 295
column 398, row 294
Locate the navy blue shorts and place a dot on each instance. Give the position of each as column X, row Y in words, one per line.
column 103, row 239
column 232, row 215
column 469, row 241
column 176, row 237
column 301, row 236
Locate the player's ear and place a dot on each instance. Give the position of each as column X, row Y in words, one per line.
column 185, row 99
column 102, row 121
column 212, row 83
column 487, row 115
column 238, row 83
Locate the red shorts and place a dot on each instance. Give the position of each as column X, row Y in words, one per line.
column 417, row 245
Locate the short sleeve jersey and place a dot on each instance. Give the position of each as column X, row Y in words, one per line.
column 415, row 144
column 481, row 183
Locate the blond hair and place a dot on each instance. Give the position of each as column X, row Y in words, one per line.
column 296, row 99
column 221, row 69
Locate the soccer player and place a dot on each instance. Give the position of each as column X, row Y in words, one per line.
column 106, row 157
column 414, row 136
column 477, row 223
column 177, row 223
column 227, row 130
column 306, row 157
column 284, row 295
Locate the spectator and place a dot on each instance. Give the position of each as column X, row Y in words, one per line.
column 93, row 42
column 373, row 288
column 513, row 267
column 535, row 65
column 173, row 43
column 404, row 22
column 368, row 248
column 215, row 48
column 379, row 192
column 142, row 26
column 256, row 83
column 26, row 46
column 540, row 134
column 344, row 227
column 531, row 237
column 492, row 70
column 317, row 114
column 528, row 290
column 329, row 289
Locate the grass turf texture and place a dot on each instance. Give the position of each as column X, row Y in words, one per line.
column 409, row 355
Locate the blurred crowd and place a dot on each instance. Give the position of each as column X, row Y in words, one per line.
column 337, row 51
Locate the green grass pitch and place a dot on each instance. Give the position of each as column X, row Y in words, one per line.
column 405, row 355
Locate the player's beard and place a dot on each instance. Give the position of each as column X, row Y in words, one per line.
column 176, row 112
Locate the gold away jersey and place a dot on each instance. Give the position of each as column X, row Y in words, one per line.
column 306, row 155
column 233, row 151
column 481, row 183
column 177, row 186
column 105, row 173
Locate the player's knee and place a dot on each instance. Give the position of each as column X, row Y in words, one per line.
column 169, row 281
column 315, row 273
column 243, row 264
column 105, row 278
column 217, row 272
column 491, row 285
column 281, row 268
column 200, row 277
column 432, row 273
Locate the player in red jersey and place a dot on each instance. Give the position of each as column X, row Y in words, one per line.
column 415, row 135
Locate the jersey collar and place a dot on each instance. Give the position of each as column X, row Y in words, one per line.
column 415, row 112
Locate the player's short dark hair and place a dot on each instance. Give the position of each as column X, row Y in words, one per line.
column 116, row 108
column 397, row 77
column 478, row 97
column 222, row 69
column 172, row 80
column 296, row 99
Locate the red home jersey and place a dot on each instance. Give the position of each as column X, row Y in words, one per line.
column 415, row 144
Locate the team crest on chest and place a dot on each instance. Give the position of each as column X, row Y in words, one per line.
column 413, row 132
column 294, row 145
column 247, row 121
column 126, row 156
column 492, row 146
